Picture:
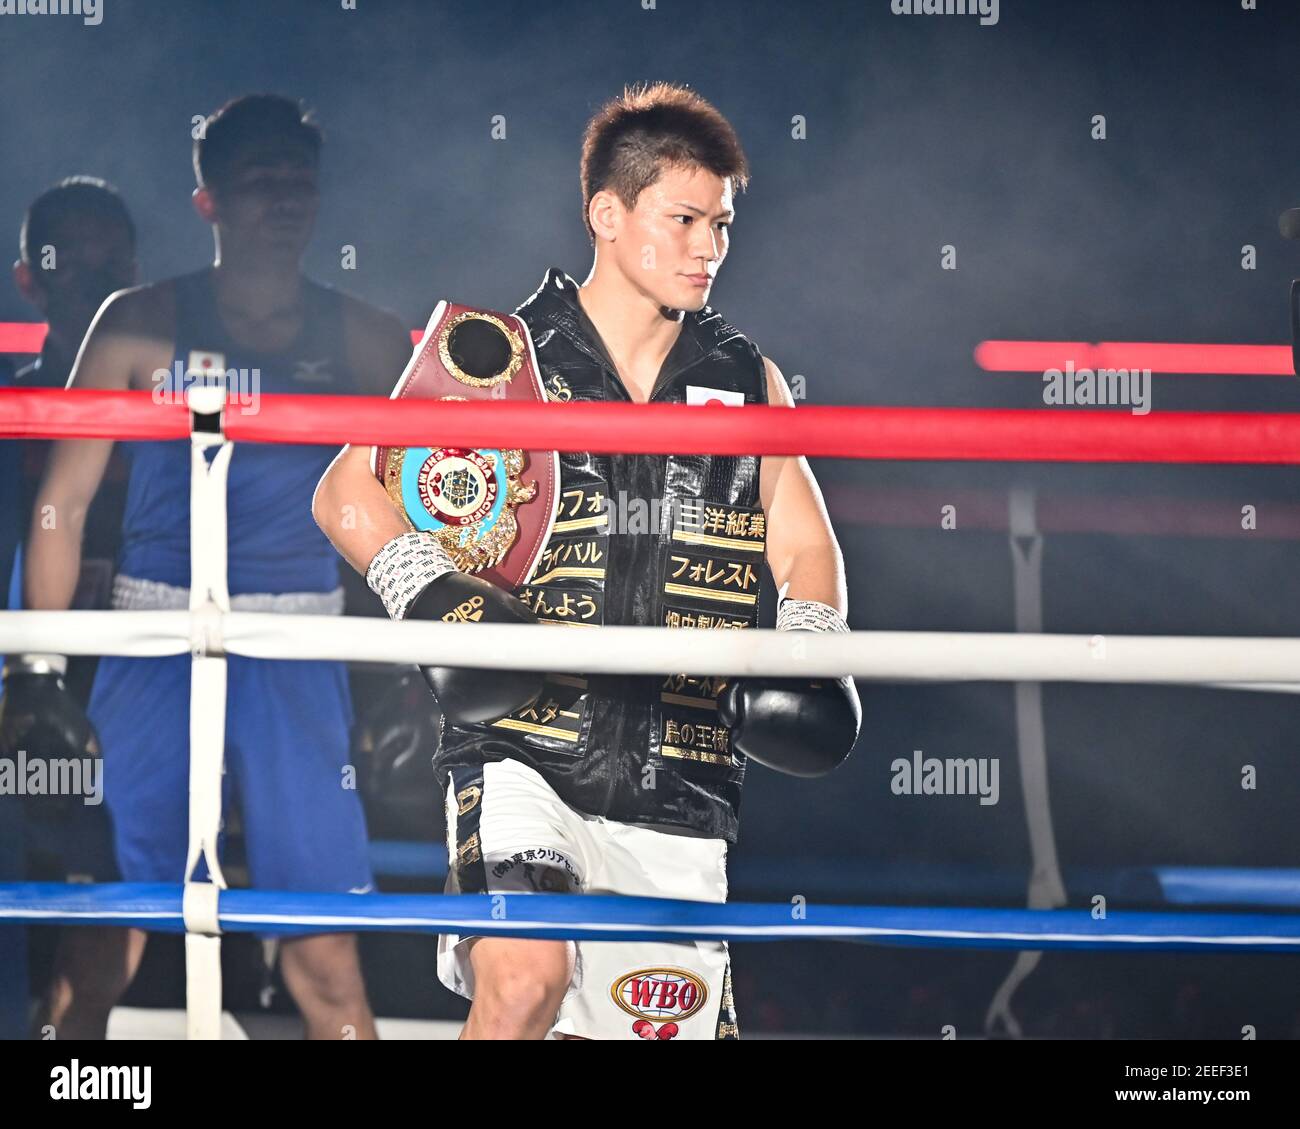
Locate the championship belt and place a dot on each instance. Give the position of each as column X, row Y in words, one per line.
column 491, row 509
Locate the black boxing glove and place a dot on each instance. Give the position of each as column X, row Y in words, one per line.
column 41, row 719
column 395, row 735
column 416, row 579
column 802, row 727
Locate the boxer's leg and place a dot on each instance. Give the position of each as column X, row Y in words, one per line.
column 519, row 987
column 140, row 709
column 507, row 832
column 287, row 749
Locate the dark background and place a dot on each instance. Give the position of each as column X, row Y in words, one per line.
column 921, row 132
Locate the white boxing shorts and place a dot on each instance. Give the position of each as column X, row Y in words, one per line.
column 508, row 832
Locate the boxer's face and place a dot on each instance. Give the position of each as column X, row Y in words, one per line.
column 94, row 256
column 673, row 242
column 269, row 201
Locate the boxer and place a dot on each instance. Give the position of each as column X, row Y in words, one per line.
column 251, row 312
column 613, row 784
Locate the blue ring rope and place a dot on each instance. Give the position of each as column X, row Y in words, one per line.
column 587, row 917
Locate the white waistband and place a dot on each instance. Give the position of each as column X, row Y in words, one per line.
column 131, row 593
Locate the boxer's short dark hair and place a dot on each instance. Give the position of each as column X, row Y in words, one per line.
column 634, row 137
column 247, row 121
column 72, row 196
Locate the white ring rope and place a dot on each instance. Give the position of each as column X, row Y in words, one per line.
column 1228, row 662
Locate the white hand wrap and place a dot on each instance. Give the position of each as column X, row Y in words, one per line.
column 404, row 567
column 808, row 615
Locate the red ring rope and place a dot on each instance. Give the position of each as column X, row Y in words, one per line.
column 986, row 434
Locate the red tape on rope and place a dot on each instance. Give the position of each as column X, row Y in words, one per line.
column 1164, row 357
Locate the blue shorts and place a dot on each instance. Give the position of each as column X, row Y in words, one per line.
column 287, row 745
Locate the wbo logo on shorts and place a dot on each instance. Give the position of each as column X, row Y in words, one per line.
column 654, row 995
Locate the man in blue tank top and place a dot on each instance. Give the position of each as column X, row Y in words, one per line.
column 251, row 313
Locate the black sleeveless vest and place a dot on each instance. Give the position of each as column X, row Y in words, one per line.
column 672, row 541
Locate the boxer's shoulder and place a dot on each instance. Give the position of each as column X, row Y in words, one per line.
column 140, row 310
column 378, row 344
column 778, row 390
column 131, row 335
column 364, row 319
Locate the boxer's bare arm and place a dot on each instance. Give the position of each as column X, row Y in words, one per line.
column 353, row 509
column 350, row 505
column 802, row 551
column 128, row 341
